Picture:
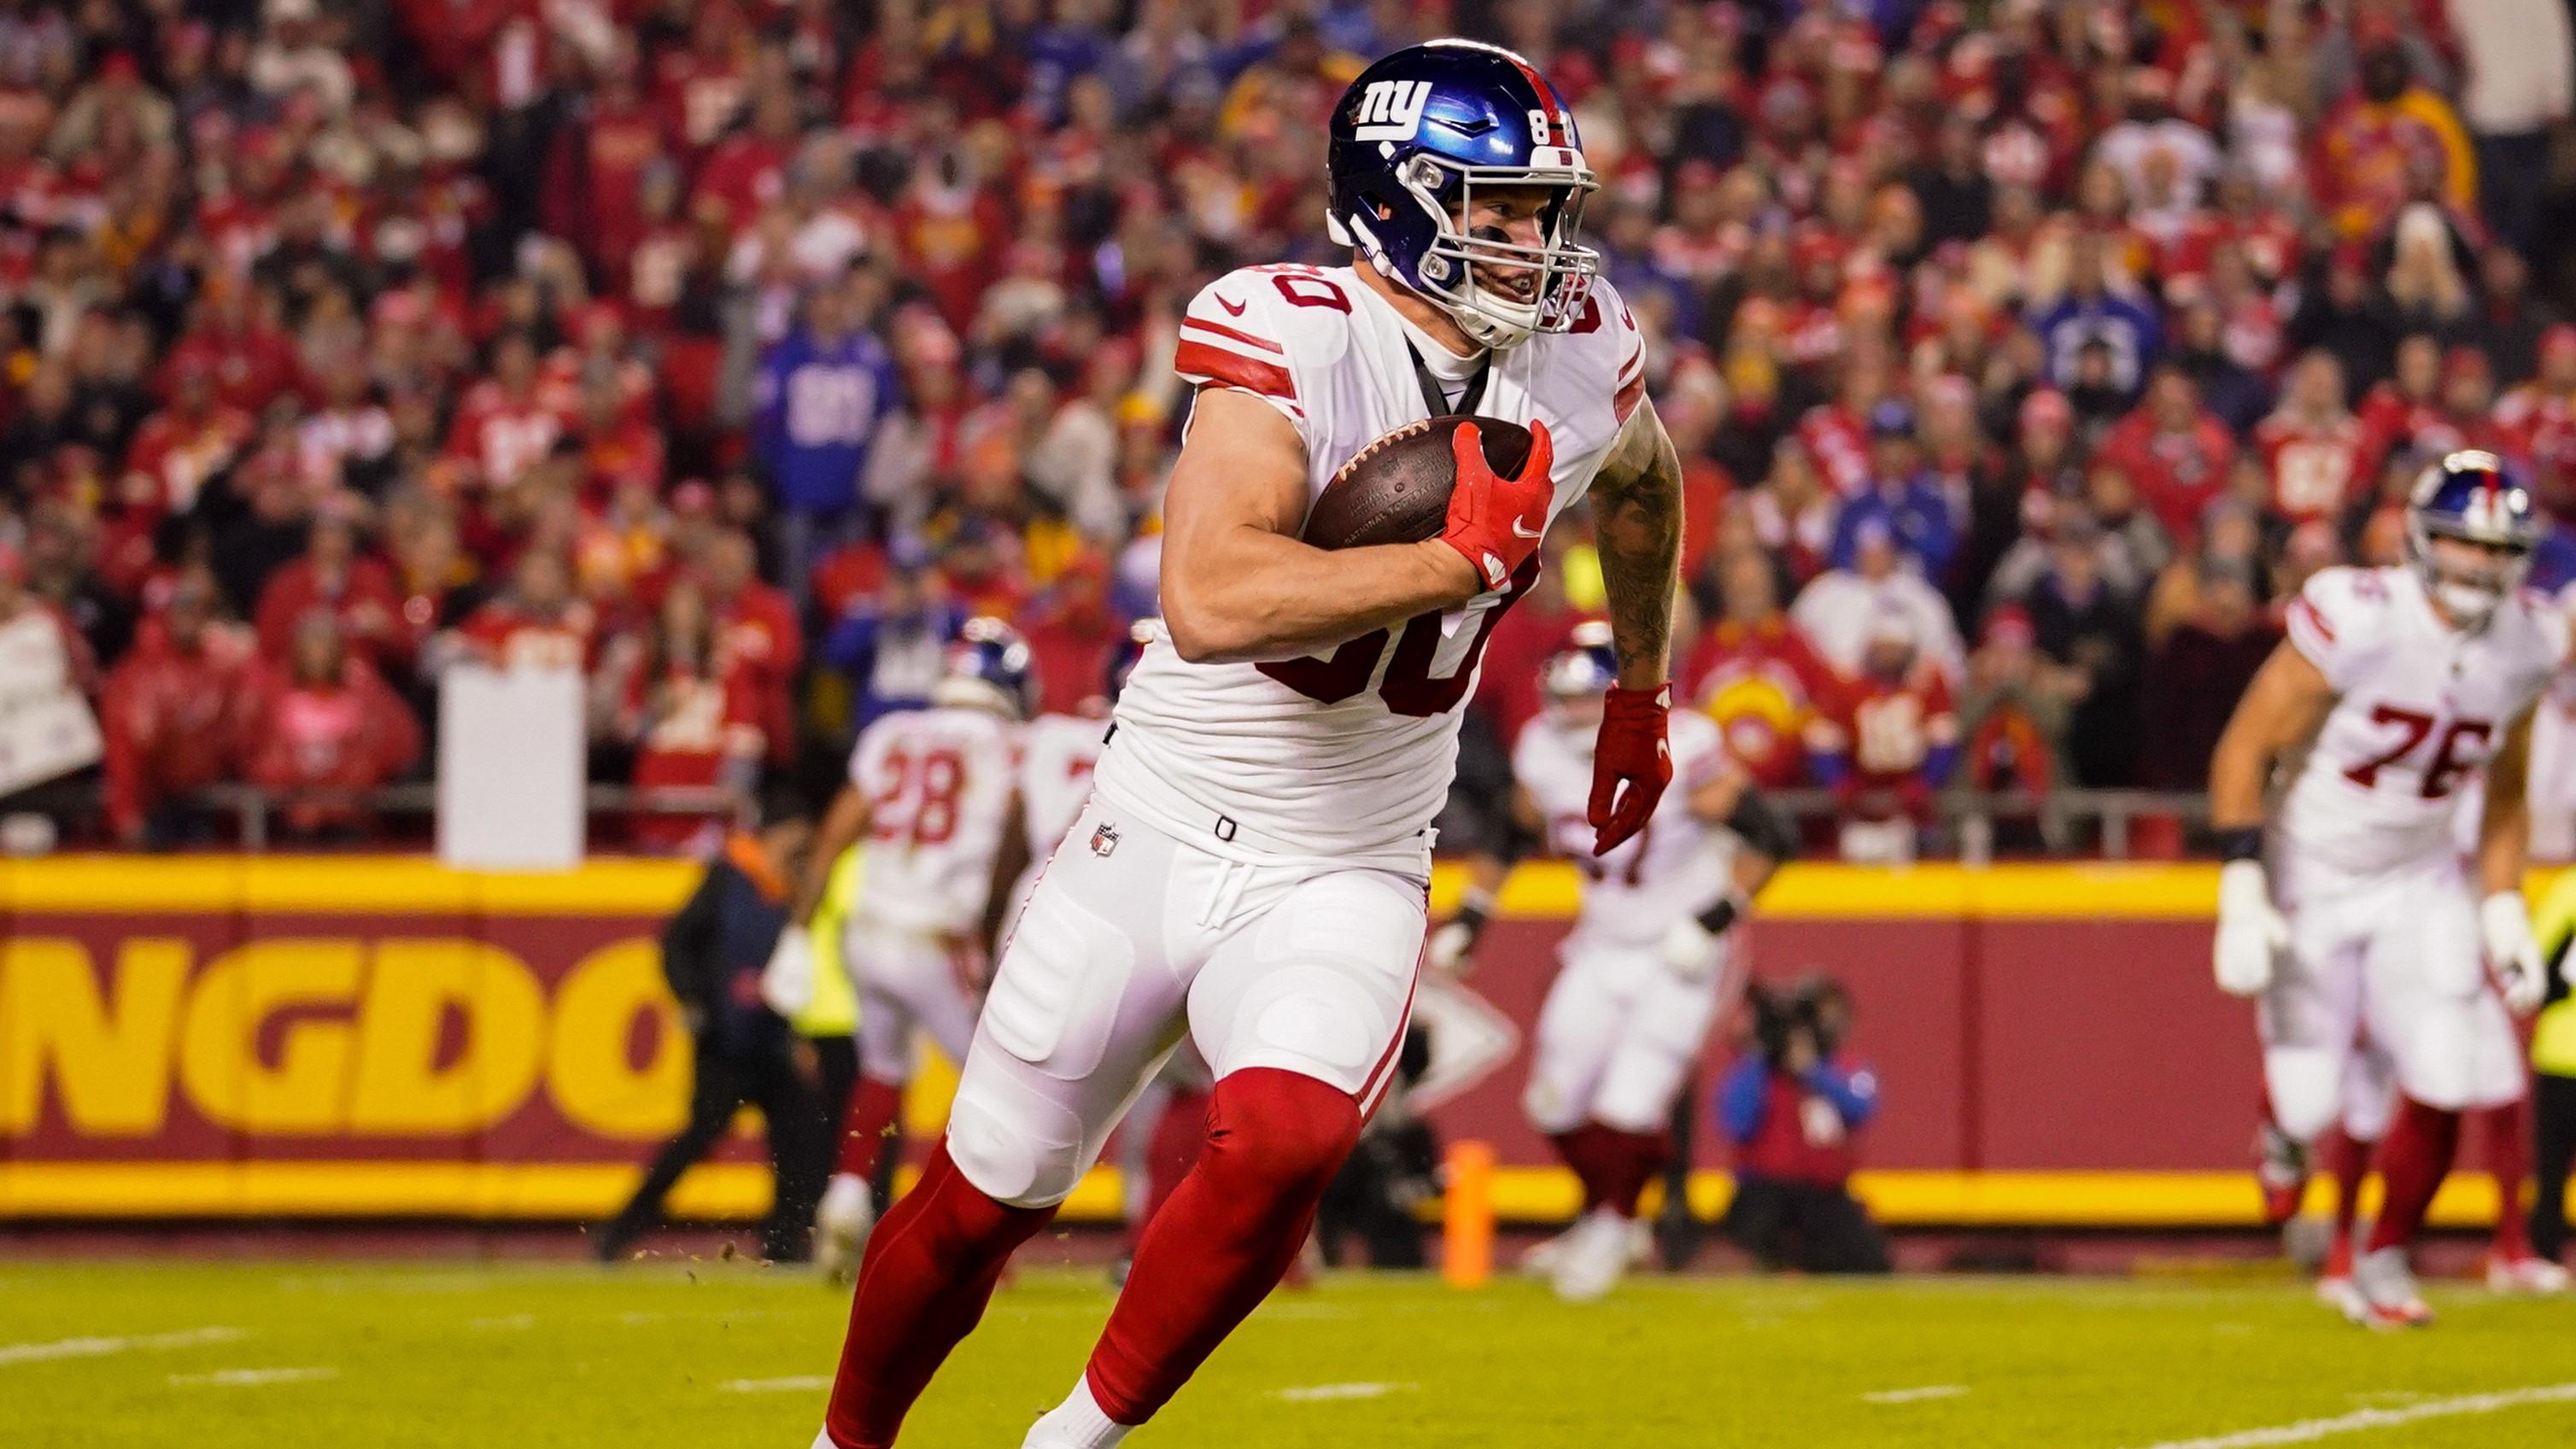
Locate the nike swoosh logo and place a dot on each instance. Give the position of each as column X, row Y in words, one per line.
column 1232, row 308
column 1521, row 530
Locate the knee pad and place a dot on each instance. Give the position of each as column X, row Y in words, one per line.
column 1014, row 1144
column 1280, row 1128
column 2437, row 1063
column 2307, row 1090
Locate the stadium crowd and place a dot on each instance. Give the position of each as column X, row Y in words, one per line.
column 2025, row 357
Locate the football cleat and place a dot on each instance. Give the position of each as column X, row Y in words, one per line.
column 2533, row 1275
column 1594, row 1257
column 2282, row 1174
column 2386, row 1287
column 841, row 1226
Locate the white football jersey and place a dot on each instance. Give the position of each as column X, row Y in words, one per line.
column 2421, row 707
column 1348, row 753
column 939, row 784
column 1057, row 752
column 1677, row 866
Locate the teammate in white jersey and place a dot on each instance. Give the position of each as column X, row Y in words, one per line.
column 933, row 805
column 2403, row 685
column 1250, row 872
column 1058, row 753
column 1644, row 966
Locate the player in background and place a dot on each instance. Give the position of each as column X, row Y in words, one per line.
column 1644, row 966
column 933, row 803
column 1251, row 871
column 1057, row 755
column 2401, row 684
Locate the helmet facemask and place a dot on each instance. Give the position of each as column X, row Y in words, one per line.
column 2469, row 591
column 1445, row 190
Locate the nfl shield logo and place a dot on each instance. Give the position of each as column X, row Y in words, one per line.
column 1104, row 839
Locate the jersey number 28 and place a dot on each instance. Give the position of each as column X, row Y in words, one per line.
column 917, row 800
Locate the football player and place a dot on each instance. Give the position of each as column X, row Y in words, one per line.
column 2346, row 909
column 1642, row 972
column 1250, row 870
column 932, row 802
column 1058, row 752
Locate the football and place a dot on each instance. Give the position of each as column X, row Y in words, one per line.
column 1396, row 490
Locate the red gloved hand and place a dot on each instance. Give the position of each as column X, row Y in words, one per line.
column 1630, row 748
column 1496, row 522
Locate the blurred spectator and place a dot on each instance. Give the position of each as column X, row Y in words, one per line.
column 891, row 645
column 1791, row 1105
column 2315, row 454
column 333, row 577
column 2014, row 709
column 2389, row 137
column 1070, row 632
column 2095, row 312
column 689, row 709
column 2192, row 679
column 2174, row 451
column 2521, row 78
column 1884, row 740
column 759, row 635
column 537, row 622
column 324, row 721
column 2090, row 627
column 1752, row 673
column 1838, row 611
column 175, row 713
column 1898, row 497
column 824, row 388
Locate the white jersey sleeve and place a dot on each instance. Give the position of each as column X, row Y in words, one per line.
column 2341, row 621
column 940, row 783
column 1243, row 332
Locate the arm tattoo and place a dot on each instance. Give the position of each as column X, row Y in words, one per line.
column 1637, row 516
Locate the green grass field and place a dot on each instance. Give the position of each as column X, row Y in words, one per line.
column 717, row 1355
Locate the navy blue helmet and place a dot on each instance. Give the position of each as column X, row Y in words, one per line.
column 2469, row 496
column 989, row 667
column 1122, row 659
column 1413, row 140
column 1585, row 668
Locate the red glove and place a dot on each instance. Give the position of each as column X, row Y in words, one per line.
column 1631, row 747
column 1496, row 522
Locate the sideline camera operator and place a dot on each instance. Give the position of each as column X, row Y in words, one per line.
column 1791, row 1107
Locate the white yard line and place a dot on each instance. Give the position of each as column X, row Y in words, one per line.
column 508, row 1321
column 251, row 1378
column 1915, row 1396
column 2308, row 1431
column 1328, row 1393
column 794, row 1384
column 101, row 1345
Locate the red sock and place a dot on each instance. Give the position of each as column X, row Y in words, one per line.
column 1585, row 1151
column 1635, row 1158
column 2349, row 1159
column 1170, row 1152
column 928, row 1272
column 2508, row 1147
column 1274, row 1140
column 874, row 1108
column 2413, row 1159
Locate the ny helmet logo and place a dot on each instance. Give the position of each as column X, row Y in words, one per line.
column 1390, row 110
